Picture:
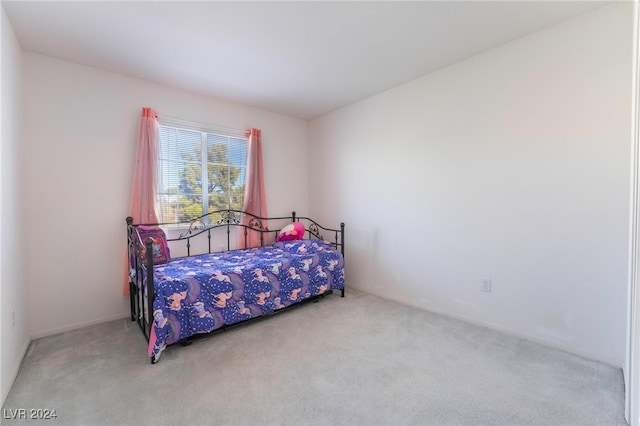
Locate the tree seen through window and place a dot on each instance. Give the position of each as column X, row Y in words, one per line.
column 199, row 172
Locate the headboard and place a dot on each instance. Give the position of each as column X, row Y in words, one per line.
column 211, row 225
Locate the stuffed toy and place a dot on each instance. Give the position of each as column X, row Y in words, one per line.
column 293, row 231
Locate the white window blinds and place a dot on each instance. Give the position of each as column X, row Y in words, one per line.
column 199, row 172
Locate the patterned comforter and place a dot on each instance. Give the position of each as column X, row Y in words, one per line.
column 198, row 294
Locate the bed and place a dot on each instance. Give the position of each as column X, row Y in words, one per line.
column 188, row 281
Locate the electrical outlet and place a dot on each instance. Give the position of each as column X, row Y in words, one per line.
column 486, row 285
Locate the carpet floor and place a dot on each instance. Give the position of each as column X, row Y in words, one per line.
column 358, row 360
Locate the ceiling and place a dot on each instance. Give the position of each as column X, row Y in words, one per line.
column 300, row 58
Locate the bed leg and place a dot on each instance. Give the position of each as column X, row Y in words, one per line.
column 342, row 292
column 132, row 289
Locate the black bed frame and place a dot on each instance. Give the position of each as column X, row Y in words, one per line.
column 205, row 226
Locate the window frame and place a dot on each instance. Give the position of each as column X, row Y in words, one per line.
column 205, row 130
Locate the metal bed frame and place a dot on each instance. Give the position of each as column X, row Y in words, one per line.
column 141, row 282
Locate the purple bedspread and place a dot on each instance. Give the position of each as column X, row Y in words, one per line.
column 198, row 294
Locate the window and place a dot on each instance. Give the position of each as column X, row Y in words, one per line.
column 199, row 172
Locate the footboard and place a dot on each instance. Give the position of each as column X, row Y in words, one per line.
column 218, row 231
column 139, row 289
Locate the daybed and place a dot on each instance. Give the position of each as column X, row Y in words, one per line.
column 195, row 294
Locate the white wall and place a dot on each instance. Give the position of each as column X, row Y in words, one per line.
column 81, row 128
column 512, row 165
column 631, row 367
column 13, row 310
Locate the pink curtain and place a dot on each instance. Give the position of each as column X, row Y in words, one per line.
column 143, row 199
column 255, row 201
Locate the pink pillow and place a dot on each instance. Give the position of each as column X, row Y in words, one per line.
column 160, row 247
column 293, row 231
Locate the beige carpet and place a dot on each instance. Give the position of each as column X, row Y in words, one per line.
column 358, row 360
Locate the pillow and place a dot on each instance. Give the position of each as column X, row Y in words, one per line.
column 293, row 231
column 159, row 247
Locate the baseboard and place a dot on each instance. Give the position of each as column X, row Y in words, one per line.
column 14, row 372
column 58, row 330
column 40, row 334
column 496, row 327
